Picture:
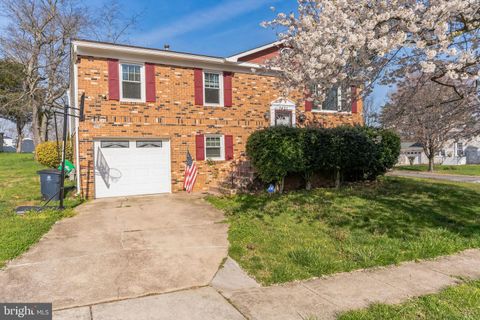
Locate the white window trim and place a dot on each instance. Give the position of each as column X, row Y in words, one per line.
column 222, row 147
column 284, row 105
column 142, row 81
column 220, row 81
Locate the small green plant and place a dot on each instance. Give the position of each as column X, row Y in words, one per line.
column 50, row 153
column 275, row 152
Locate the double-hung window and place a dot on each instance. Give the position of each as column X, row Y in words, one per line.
column 333, row 102
column 460, row 149
column 132, row 86
column 213, row 87
column 214, row 147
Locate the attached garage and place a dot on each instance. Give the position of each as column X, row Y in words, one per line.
column 126, row 167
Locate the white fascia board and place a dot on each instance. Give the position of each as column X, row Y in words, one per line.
column 100, row 50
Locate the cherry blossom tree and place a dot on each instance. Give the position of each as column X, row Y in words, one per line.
column 429, row 113
column 364, row 42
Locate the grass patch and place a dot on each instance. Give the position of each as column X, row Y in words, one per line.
column 468, row 169
column 20, row 185
column 304, row 234
column 457, row 302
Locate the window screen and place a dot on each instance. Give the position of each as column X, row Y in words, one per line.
column 131, row 82
column 331, row 100
column 114, row 144
column 149, row 144
column 212, row 88
column 459, row 149
column 213, row 147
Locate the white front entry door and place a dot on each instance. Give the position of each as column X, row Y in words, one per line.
column 282, row 113
column 131, row 167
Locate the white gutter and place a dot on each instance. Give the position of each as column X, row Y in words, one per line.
column 77, row 140
column 105, row 50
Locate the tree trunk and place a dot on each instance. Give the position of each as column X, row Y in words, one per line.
column 308, row 185
column 44, row 127
column 308, row 181
column 20, row 126
column 431, row 159
column 36, row 122
column 337, row 178
column 281, row 185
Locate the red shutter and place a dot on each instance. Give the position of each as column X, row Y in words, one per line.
column 227, row 89
column 354, row 100
column 228, row 147
column 308, row 105
column 200, row 147
column 150, row 82
column 113, row 80
column 198, row 82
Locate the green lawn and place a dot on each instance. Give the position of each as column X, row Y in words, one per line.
column 20, row 185
column 457, row 302
column 305, row 234
column 469, row 169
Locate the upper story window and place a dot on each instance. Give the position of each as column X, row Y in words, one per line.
column 214, row 147
column 334, row 101
column 213, row 87
column 132, row 86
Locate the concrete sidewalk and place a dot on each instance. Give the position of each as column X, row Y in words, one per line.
column 433, row 175
column 233, row 295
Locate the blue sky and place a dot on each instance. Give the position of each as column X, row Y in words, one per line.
column 213, row 27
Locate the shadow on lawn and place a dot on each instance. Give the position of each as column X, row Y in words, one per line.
column 395, row 207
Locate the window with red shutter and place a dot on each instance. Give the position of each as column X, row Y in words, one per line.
column 228, row 147
column 198, row 85
column 200, row 147
column 150, row 82
column 308, row 105
column 227, row 89
column 113, row 80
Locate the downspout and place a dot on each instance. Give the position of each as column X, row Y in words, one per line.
column 77, row 140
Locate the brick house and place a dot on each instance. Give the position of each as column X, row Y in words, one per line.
column 144, row 108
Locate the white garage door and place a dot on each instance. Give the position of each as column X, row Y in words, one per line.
column 131, row 167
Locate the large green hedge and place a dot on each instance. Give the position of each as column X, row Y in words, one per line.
column 342, row 153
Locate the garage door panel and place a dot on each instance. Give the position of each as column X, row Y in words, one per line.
column 133, row 171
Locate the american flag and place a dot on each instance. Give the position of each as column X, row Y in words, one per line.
column 190, row 173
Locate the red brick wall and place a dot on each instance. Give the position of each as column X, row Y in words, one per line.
column 261, row 56
column 174, row 115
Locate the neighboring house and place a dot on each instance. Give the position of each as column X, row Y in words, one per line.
column 411, row 153
column 145, row 108
column 8, row 144
column 453, row 153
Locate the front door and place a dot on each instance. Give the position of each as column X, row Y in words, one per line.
column 283, row 118
column 282, row 113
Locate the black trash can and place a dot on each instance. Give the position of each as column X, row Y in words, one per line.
column 50, row 184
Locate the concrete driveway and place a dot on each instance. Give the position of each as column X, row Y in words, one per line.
column 120, row 248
